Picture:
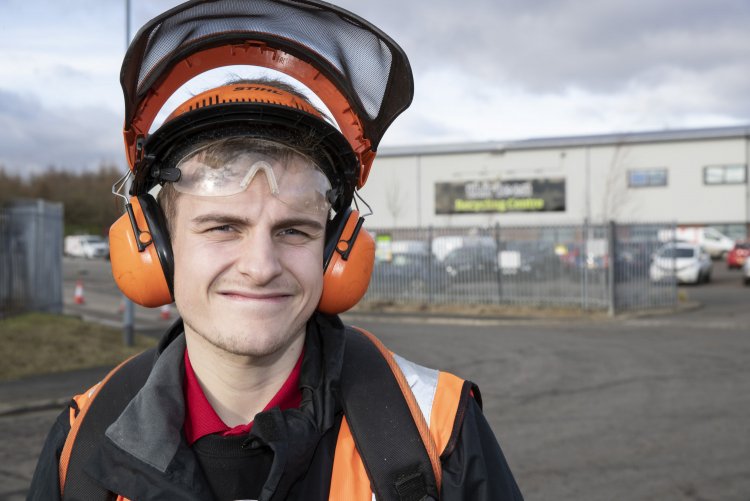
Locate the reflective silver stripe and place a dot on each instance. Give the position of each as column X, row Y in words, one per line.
column 423, row 383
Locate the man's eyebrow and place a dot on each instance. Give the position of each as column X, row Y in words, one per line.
column 231, row 219
column 220, row 218
column 299, row 221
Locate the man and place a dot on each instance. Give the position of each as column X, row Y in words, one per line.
column 259, row 391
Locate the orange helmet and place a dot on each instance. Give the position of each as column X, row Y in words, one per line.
column 360, row 74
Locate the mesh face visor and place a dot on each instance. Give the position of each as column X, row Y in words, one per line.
column 228, row 167
column 366, row 66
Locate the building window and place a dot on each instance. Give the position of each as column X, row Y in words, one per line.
column 724, row 174
column 642, row 178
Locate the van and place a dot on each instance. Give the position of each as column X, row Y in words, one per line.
column 713, row 242
column 88, row 246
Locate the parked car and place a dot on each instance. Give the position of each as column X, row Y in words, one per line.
column 407, row 274
column 88, row 246
column 471, row 264
column 746, row 272
column 738, row 255
column 633, row 260
column 529, row 259
column 681, row 261
column 715, row 243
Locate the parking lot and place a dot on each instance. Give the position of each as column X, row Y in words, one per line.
column 636, row 407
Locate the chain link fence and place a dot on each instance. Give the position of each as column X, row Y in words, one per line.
column 589, row 267
column 31, row 243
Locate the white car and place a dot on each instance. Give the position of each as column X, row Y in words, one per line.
column 746, row 272
column 685, row 262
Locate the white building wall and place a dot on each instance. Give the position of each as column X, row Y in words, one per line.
column 401, row 187
column 685, row 199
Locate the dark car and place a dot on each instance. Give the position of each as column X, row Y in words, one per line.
column 533, row 259
column 407, row 274
column 471, row 264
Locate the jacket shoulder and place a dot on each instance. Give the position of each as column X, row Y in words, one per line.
column 442, row 398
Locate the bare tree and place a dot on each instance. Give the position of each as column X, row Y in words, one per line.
column 394, row 199
column 615, row 195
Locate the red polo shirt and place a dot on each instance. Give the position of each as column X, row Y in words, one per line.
column 201, row 419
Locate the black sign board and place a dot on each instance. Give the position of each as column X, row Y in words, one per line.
column 495, row 196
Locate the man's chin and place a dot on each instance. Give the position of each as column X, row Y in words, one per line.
column 257, row 337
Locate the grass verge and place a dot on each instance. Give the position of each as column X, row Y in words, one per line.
column 39, row 343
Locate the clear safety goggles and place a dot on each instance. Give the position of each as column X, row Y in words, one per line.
column 293, row 178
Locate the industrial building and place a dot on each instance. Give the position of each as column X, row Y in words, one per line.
column 690, row 177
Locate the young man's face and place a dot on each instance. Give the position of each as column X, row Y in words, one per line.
column 248, row 269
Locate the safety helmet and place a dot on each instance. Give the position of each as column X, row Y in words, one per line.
column 359, row 73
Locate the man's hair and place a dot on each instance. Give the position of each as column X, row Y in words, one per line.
column 212, row 151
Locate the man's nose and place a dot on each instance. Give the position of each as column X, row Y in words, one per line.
column 259, row 258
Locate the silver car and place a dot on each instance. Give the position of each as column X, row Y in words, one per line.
column 685, row 262
column 746, row 271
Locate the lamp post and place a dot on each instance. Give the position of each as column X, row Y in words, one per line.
column 128, row 314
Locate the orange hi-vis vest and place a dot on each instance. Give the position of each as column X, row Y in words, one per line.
column 433, row 397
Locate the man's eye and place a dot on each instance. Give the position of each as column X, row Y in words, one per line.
column 292, row 231
column 221, row 229
column 294, row 235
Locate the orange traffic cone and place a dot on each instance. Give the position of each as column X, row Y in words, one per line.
column 78, row 297
column 165, row 312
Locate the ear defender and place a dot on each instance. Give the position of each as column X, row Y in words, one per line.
column 349, row 258
column 141, row 253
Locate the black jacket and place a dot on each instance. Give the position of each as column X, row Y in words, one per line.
column 145, row 456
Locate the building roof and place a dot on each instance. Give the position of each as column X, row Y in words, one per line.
column 738, row 131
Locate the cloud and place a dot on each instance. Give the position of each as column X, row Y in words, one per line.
column 37, row 137
column 484, row 70
column 580, row 65
column 463, row 108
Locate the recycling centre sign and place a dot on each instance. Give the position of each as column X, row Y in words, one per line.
column 496, row 196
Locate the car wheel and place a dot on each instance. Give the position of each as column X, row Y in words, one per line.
column 747, row 281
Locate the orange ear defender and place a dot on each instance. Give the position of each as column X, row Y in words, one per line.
column 350, row 255
column 141, row 253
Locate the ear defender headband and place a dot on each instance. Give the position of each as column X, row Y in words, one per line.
column 198, row 36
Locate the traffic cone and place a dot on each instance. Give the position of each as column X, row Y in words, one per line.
column 165, row 312
column 78, row 297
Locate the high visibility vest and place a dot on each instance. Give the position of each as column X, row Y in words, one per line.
column 437, row 395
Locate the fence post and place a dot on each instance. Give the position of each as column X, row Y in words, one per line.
column 499, row 272
column 585, row 268
column 430, row 266
column 611, row 257
column 675, row 289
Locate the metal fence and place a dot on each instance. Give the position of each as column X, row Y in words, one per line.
column 31, row 240
column 589, row 267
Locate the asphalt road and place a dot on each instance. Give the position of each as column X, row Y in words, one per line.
column 642, row 408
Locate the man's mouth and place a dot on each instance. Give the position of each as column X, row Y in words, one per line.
column 266, row 297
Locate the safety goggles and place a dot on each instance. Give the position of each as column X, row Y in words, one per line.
column 228, row 169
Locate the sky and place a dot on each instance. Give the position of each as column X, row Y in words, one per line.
column 484, row 70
